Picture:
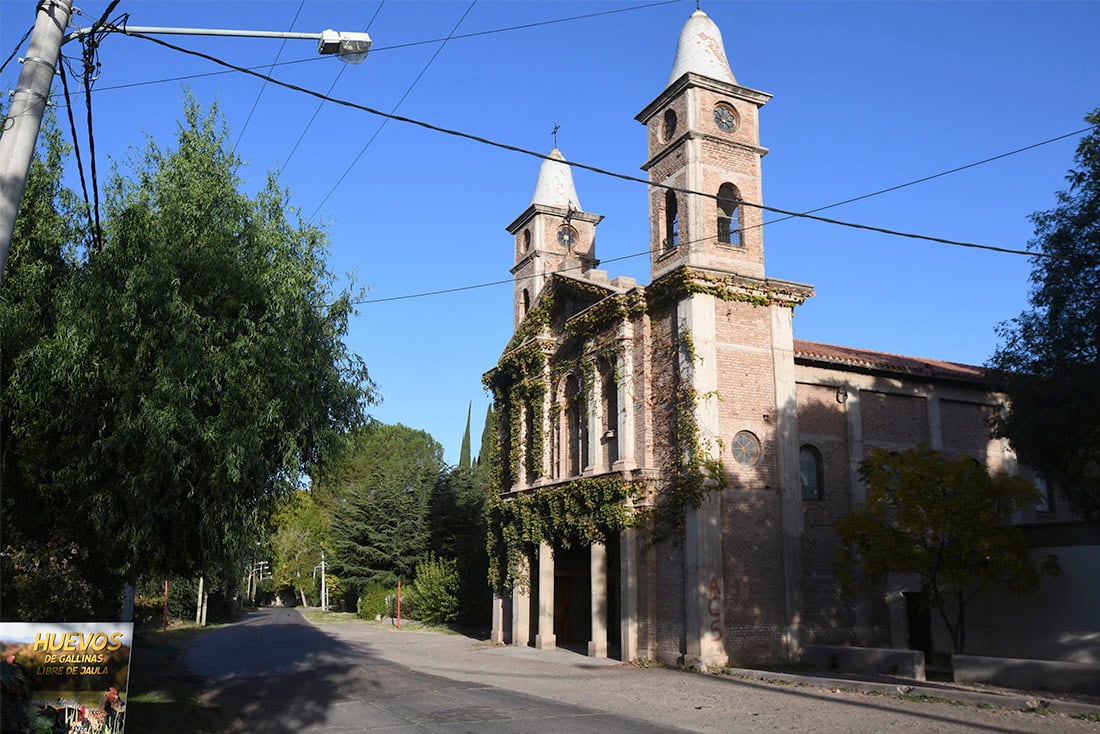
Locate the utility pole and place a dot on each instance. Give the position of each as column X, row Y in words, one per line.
column 25, row 114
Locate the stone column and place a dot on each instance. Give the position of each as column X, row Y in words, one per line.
column 498, row 619
column 521, row 612
column 597, row 646
column 593, row 463
column 545, row 639
column 625, row 434
column 790, row 484
column 628, row 594
column 935, row 419
column 854, row 419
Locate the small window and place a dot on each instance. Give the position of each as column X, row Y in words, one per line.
column 811, row 474
column 526, row 301
column 672, row 221
column 729, row 215
column 526, row 240
column 1043, row 505
column 670, row 124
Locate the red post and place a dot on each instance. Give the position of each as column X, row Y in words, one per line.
column 165, row 605
column 398, row 603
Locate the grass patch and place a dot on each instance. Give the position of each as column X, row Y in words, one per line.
column 160, row 698
column 1091, row 716
column 407, row 625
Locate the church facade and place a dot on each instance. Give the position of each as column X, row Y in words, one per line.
column 689, row 403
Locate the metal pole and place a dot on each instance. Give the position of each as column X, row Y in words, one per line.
column 25, row 114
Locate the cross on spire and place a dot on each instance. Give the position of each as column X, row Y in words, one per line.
column 554, row 132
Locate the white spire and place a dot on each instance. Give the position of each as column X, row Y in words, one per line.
column 700, row 50
column 555, row 184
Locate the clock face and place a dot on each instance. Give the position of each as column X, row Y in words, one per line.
column 567, row 236
column 746, row 448
column 725, row 117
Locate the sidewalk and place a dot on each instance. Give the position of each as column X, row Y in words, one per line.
column 978, row 695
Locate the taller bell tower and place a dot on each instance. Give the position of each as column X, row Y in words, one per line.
column 703, row 136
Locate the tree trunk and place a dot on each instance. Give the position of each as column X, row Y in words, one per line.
column 198, row 603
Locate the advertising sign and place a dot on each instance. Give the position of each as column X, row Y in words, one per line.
column 73, row 674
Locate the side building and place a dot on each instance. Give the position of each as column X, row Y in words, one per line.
column 689, row 401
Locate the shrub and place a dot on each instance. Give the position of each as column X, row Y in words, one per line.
column 435, row 590
column 372, row 602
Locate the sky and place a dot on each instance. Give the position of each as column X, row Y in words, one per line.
column 866, row 96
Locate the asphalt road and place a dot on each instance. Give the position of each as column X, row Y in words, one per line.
column 275, row 672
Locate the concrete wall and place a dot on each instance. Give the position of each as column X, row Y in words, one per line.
column 1061, row 622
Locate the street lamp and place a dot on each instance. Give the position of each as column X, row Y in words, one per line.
column 33, row 90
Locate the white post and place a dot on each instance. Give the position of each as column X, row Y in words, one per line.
column 324, row 583
column 25, row 114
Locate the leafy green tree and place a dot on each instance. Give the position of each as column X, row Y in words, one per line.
column 458, row 530
column 376, row 498
column 435, row 590
column 296, row 543
column 944, row 521
column 1049, row 361
column 193, row 368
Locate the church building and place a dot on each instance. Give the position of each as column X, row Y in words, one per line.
column 690, row 404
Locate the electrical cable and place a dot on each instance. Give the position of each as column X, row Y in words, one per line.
column 593, row 169
column 386, row 120
column 16, row 49
column 1048, row 141
column 91, row 42
column 321, row 104
column 377, row 49
column 264, row 85
column 76, row 144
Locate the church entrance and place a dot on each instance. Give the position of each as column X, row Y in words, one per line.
column 572, row 597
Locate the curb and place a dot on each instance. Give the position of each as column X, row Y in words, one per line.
column 1018, row 702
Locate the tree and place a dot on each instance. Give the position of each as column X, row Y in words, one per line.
column 376, row 497
column 1049, row 361
column 944, row 521
column 458, row 531
column 296, row 543
column 194, row 368
column 464, row 452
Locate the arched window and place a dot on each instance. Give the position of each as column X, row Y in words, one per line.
column 729, row 215
column 526, row 301
column 576, row 419
column 526, row 240
column 811, row 473
column 672, row 221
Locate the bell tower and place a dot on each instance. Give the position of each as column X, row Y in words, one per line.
column 552, row 235
column 703, row 136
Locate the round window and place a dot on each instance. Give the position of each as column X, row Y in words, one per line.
column 746, row 448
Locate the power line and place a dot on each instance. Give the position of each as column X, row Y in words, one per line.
column 594, row 169
column 914, row 182
column 385, row 121
column 15, row 50
column 378, row 49
column 525, row 26
column 321, row 104
column 271, row 68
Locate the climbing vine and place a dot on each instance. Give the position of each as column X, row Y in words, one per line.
column 692, row 471
column 577, row 513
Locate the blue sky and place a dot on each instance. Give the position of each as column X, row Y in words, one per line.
column 867, row 95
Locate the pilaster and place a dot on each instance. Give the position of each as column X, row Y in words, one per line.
column 597, row 646
column 545, row 639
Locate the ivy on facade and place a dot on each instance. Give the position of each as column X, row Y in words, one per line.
column 580, row 512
